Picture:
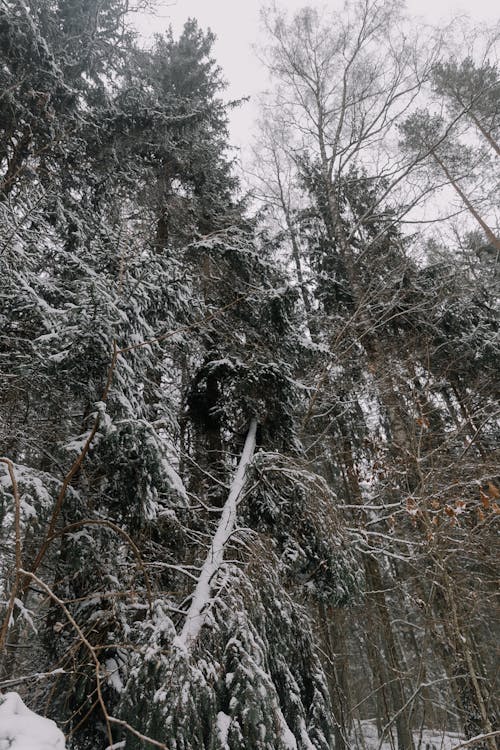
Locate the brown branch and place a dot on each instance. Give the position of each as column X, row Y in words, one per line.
column 74, row 468
column 495, row 241
column 29, row 575
column 83, row 719
column 18, row 551
column 485, row 133
column 124, row 724
column 30, row 677
column 104, row 397
column 92, row 651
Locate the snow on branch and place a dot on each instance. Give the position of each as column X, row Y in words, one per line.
column 197, row 611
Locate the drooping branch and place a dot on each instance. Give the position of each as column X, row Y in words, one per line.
column 109, row 720
column 78, row 462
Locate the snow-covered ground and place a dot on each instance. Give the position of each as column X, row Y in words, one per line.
column 22, row 729
column 365, row 737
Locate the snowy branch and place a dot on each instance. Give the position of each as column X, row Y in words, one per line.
column 196, row 617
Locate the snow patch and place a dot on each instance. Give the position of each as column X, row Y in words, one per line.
column 113, row 674
column 365, row 736
column 223, row 724
column 287, row 735
column 175, row 481
column 23, row 729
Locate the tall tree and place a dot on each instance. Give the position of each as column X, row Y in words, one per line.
column 163, row 598
column 369, row 405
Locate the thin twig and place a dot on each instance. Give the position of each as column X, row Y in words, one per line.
column 105, row 394
column 31, row 576
column 183, row 329
column 124, row 724
column 17, row 526
column 111, row 525
column 31, row 677
column 75, row 467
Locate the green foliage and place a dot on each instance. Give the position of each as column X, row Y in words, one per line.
column 471, row 89
column 295, row 509
column 252, row 682
column 145, row 322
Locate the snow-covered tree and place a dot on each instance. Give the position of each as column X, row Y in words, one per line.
column 248, row 479
column 152, row 408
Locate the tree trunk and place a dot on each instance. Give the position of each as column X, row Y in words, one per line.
column 374, row 582
column 197, row 613
column 495, row 241
column 332, row 627
column 403, row 729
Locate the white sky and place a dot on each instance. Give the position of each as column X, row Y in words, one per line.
column 237, row 26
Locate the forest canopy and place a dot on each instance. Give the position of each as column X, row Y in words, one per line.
column 249, row 422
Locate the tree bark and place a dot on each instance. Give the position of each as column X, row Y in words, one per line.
column 495, row 241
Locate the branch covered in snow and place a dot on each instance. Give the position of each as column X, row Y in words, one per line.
column 197, row 611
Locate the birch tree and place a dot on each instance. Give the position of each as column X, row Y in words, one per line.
column 360, row 265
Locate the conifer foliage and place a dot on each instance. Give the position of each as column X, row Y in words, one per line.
column 146, row 418
column 245, row 504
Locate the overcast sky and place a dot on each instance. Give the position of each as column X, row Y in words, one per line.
column 236, row 24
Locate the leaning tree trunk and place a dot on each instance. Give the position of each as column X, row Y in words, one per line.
column 197, row 613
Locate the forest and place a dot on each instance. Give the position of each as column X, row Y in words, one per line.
column 249, row 415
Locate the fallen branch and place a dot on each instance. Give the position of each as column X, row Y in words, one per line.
column 476, row 739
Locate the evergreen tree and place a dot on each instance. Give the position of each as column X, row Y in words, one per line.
column 250, row 476
column 140, row 296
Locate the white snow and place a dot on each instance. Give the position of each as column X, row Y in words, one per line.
column 22, row 729
column 113, row 674
column 365, row 737
column 287, row 735
column 26, row 614
column 306, row 742
column 197, row 613
column 175, row 481
column 27, row 510
column 223, row 724
column 58, row 357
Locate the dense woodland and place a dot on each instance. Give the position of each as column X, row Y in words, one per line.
column 249, row 484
